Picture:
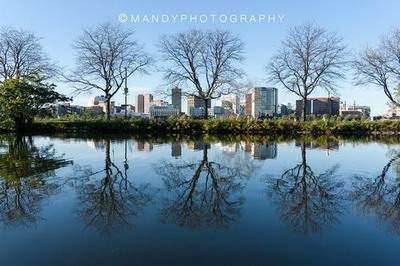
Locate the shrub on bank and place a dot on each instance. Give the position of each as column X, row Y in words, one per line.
column 186, row 125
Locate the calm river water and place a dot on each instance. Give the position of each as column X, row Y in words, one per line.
column 130, row 201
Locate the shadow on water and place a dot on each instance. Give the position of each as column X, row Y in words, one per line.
column 203, row 193
column 26, row 178
column 307, row 201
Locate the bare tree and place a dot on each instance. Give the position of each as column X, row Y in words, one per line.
column 205, row 63
column 310, row 58
column 104, row 55
column 22, row 55
column 381, row 66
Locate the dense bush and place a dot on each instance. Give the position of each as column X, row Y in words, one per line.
column 185, row 125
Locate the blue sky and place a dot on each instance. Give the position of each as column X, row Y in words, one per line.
column 358, row 22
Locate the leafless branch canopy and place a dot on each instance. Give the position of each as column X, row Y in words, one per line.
column 310, row 58
column 381, row 65
column 206, row 64
column 103, row 54
column 22, row 55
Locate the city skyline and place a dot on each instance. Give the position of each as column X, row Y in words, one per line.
column 262, row 40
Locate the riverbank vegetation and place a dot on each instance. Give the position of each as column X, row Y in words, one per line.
column 185, row 125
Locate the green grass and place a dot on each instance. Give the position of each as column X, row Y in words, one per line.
column 184, row 125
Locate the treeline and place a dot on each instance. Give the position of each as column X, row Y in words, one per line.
column 235, row 126
column 204, row 63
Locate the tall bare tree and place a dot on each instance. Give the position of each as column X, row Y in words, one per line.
column 381, row 66
column 310, row 58
column 103, row 55
column 204, row 63
column 21, row 55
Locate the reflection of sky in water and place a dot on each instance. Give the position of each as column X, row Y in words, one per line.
column 261, row 232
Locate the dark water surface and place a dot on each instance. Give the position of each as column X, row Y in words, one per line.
column 127, row 201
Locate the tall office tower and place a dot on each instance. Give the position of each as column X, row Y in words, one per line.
column 247, row 104
column 264, row 102
column 148, row 99
column 140, row 103
column 177, row 98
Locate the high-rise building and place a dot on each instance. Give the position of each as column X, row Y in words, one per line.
column 264, row 102
column 319, row 106
column 140, row 103
column 148, row 99
column 177, row 98
column 247, row 104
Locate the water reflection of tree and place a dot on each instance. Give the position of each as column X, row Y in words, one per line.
column 109, row 199
column 306, row 200
column 205, row 193
column 380, row 195
column 26, row 173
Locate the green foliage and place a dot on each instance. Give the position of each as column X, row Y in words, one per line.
column 236, row 126
column 22, row 99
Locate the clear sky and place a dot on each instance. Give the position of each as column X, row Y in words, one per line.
column 358, row 22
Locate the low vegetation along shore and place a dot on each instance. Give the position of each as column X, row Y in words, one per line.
column 186, row 125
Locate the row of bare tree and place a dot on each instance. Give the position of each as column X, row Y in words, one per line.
column 206, row 64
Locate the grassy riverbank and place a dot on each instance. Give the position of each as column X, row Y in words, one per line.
column 220, row 126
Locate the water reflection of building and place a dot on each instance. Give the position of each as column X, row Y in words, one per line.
column 327, row 146
column 144, row 146
column 262, row 151
column 228, row 147
column 197, row 145
column 98, row 145
column 176, row 149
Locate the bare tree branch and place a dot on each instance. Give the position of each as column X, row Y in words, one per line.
column 310, row 58
column 206, row 63
column 103, row 54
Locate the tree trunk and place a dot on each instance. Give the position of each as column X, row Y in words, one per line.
column 304, row 108
column 205, row 108
column 108, row 106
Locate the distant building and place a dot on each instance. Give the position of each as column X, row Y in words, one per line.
column 196, row 102
column 64, row 109
column 218, row 111
column 159, row 102
column 319, row 106
column 247, row 108
column 148, row 99
column 177, row 98
column 94, row 110
column 140, row 103
column 355, row 111
column 195, row 106
column 159, row 111
column 102, row 102
column 264, row 102
column 231, row 102
column 284, row 110
column 393, row 112
column 98, row 99
column 196, row 112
